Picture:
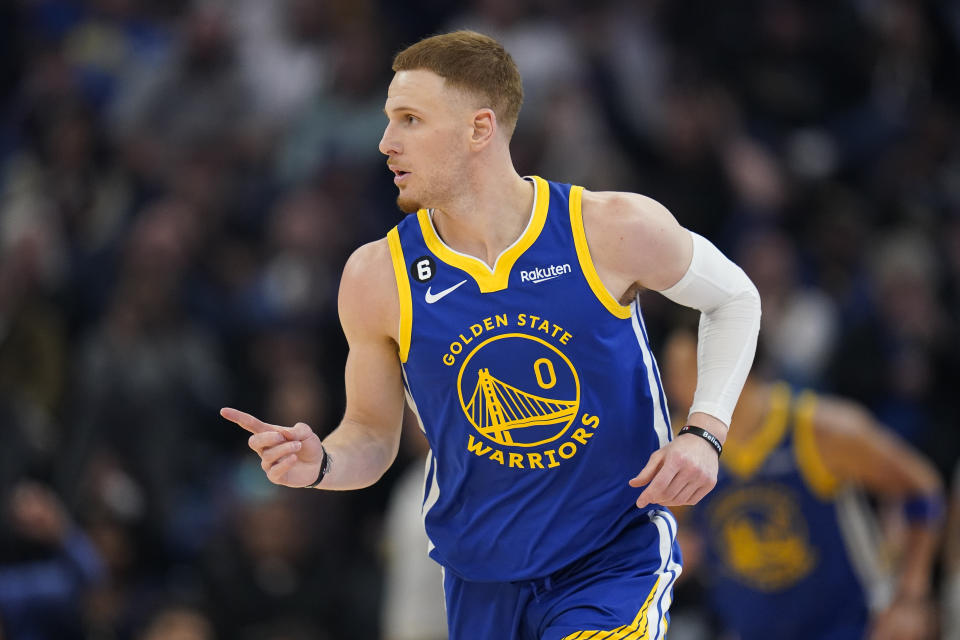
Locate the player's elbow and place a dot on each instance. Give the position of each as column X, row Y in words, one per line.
column 390, row 450
column 742, row 302
column 752, row 296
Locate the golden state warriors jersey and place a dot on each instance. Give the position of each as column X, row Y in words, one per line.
column 536, row 390
column 786, row 552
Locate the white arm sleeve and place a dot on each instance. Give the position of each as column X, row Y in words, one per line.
column 729, row 324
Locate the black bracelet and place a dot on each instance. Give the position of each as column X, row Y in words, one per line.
column 324, row 469
column 706, row 435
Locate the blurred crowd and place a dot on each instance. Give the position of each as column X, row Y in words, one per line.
column 183, row 180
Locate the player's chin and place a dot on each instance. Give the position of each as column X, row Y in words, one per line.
column 407, row 204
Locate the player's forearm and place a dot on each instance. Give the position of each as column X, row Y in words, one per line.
column 915, row 574
column 359, row 455
column 729, row 323
column 712, row 424
column 924, row 510
column 727, row 341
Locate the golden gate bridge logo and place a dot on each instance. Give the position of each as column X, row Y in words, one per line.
column 509, row 415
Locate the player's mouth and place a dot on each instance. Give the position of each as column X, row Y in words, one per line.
column 399, row 176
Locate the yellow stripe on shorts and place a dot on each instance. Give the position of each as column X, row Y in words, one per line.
column 639, row 629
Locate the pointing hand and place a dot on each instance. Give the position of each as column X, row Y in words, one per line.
column 290, row 456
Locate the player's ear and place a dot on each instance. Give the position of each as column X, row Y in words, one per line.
column 484, row 128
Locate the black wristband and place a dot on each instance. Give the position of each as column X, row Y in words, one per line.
column 706, row 435
column 324, row 469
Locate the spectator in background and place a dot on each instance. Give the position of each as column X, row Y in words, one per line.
column 32, row 341
column 114, row 504
column 147, row 372
column 800, row 324
column 282, row 48
column 340, row 124
column 109, row 39
column 198, row 98
column 907, row 339
column 33, row 348
column 41, row 597
column 266, row 567
column 272, row 546
column 74, row 197
column 789, row 552
column 306, row 242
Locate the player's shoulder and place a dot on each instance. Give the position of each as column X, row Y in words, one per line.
column 368, row 292
column 622, row 208
column 634, row 239
column 369, row 261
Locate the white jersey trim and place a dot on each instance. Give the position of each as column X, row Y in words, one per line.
column 669, row 570
column 432, row 494
column 661, row 422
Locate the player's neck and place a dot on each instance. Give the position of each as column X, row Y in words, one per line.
column 491, row 210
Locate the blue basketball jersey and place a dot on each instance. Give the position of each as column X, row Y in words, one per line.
column 783, row 556
column 536, row 390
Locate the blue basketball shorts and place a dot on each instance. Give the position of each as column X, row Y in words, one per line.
column 619, row 592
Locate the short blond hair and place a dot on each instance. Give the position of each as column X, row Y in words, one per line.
column 473, row 62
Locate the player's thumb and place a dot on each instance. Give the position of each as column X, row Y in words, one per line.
column 647, row 473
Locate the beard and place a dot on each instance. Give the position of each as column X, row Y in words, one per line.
column 429, row 191
column 408, row 205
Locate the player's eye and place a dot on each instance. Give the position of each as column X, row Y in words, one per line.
column 411, row 119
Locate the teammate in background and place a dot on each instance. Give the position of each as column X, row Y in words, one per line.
column 791, row 549
column 505, row 309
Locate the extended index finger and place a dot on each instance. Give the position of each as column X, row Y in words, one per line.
column 247, row 421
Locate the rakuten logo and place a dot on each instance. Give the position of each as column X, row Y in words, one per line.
column 540, row 274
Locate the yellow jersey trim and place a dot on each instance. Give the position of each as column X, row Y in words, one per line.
column 743, row 459
column 586, row 263
column 818, row 477
column 403, row 290
column 496, row 279
column 639, row 629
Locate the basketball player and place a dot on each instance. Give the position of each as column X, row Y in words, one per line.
column 505, row 309
column 791, row 547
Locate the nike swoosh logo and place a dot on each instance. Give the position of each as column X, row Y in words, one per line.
column 433, row 297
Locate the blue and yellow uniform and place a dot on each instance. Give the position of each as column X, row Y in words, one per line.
column 540, row 399
column 787, row 551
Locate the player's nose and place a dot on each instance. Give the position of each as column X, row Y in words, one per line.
column 388, row 143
